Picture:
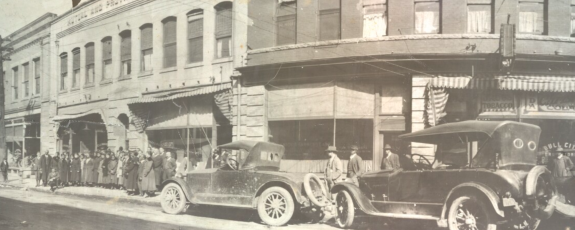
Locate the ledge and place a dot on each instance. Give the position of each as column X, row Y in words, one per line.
column 193, row 65
column 169, row 69
column 409, row 37
column 146, row 73
column 222, row 60
column 89, row 86
column 106, row 82
column 124, row 78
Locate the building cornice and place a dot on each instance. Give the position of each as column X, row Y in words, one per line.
column 47, row 15
column 23, row 108
column 28, row 45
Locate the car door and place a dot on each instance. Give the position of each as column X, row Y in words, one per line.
column 231, row 187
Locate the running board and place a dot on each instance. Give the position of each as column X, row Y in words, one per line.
column 405, row 216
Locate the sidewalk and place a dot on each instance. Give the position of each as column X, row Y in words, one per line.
column 109, row 195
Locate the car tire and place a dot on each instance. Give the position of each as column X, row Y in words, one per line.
column 471, row 212
column 173, row 199
column 275, row 206
column 345, row 209
column 307, row 180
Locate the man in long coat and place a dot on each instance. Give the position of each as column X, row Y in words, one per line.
column 38, row 168
column 158, row 166
column 46, row 165
column 334, row 167
column 169, row 167
column 391, row 160
column 355, row 165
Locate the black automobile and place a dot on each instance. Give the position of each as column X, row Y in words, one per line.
column 483, row 176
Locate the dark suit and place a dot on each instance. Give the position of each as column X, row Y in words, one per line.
column 46, row 165
column 391, row 162
column 158, row 165
column 355, row 169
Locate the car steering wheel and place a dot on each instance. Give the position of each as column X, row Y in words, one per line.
column 233, row 163
column 421, row 161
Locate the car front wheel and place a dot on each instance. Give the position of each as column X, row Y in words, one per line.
column 345, row 209
column 469, row 213
column 173, row 199
column 275, row 206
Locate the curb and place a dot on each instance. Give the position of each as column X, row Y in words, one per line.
column 103, row 198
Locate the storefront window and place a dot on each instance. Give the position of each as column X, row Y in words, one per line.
column 175, row 140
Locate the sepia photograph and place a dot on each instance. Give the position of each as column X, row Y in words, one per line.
column 287, row 114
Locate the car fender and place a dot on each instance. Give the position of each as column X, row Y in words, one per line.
column 290, row 186
column 493, row 198
column 359, row 199
column 183, row 184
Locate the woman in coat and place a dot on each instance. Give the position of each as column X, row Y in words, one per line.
column 141, row 161
column 148, row 177
column 89, row 169
column 64, row 166
column 75, row 168
column 112, row 168
column 120, row 170
column 131, row 174
column 105, row 178
column 99, row 169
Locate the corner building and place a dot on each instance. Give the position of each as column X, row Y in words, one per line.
column 362, row 72
column 140, row 73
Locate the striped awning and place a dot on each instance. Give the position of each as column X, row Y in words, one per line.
column 181, row 94
column 538, row 83
column 464, row 82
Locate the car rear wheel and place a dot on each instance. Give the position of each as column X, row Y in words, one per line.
column 173, row 199
column 470, row 213
column 345, row 209
column 275, row 206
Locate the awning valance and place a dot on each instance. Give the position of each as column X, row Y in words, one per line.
column 75, row 112
column 180, row 94
column 464, row 82
column 538, row 83
column 77, row 115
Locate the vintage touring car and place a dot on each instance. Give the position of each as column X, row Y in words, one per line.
column 248, row 177
column 484, row 175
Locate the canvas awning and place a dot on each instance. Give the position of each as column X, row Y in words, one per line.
column 464, row 82
column 538, row 83
column 180, row 94
column 77, row 111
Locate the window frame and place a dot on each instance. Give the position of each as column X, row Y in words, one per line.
column 90, row 65
column 166, row 45
column 222, row 6
column 283, row 18
column 26, row 79
column 63, row 71
column 107, row 61
column 76, row 53
column 372, row 4
column 195, row 16
column 440, row 13
column 491, row 6
column 327, row 11
column 123, row 60
column 143, row 50
column 545, row 16
column 15, row 82
column 37, row 75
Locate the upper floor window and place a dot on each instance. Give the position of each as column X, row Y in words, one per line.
column 374, row 18
column 427, row 16
column 126, row 53
column 76, row 68
column 195, row 36
column 15, row 82
column 479, row 17
column 90, row 74
column 170, row 48
column 532, row 17
column 63, row 70
column 37, row 74
column 26, row 82
column 329, row 20
column 146, row 46
column 224, row 29
column 572, row 18
column 286, row 23
column 106, row 58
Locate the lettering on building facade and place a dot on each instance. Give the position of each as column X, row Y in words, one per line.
column 95, row 9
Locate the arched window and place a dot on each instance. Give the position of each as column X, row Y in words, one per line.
column 195, row 36
column 63, row 70
column 224, row 17
column 126, row 53
column 89, row 64
column 106, row 58
column 76, row 68
column 170, row 44
column 146, row 46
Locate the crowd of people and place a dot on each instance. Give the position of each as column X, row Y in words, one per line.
column 136, row 172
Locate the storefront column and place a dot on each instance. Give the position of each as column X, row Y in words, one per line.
column 255, row 117
column 418, row 85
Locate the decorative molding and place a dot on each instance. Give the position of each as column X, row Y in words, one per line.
column 409, row 37
column 28, row 45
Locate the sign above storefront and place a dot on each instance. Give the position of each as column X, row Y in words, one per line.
column 95, row 9
column 497, row 102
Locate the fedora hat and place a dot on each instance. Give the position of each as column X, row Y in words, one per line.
column 354, row 147
column 331, row 149
column 559, row 149
column 387, row 146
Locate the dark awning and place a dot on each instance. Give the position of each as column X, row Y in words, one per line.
column 183, row 93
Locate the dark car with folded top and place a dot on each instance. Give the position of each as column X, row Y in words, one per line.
column 483, row 176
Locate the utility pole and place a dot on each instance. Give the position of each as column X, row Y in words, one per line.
column 3, row 151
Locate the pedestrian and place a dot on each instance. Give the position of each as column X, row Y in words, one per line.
column 53, row 180
column 64, row 166
column 561, row 166
column 131, row 174
column 83, row 160
column 147, row 177
column 354, row 166
column 90, row 170
column 334, row 167
column 104, row 177
column 169, row 167
column 97, row 169
column 75, row 170
column 120, row 169
column 391, row 160
column 56, row 163
column 112, row 169
column 158, row 159
column 4, row 168
column 182, row 166
column 45, row 164
column 38, row 168
column 141, row 161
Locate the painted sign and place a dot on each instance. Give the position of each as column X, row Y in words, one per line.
column 497, row 102
column 556, row 103
column 95, row 9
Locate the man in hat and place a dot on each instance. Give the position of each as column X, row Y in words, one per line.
column 391, row 160
column 355, row 165
column 46, row 165
column 334, row 168
column 561, row 166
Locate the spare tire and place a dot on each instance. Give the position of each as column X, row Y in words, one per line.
column 311, row 194
column 539, row 176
